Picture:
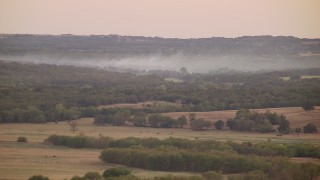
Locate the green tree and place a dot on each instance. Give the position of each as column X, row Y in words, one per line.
column 192, row 116
column 256, row 175
column 22, row 139
column 115, row 172
column 264, row 126
column 140, row 119
column 99, row 119
column 243, row 114
column 158, row 120
column 219, row 124
column 181, row 121
column 310, row 128
column 71, row 114
column 212, row 175
column 297, row 130
column 38, row 177
column 200, row 124
column 308, row 106
column 232, row 124
column 284, row 126
column 154, row 120
column 77, row 178
column 120, row 117
column 92, row 176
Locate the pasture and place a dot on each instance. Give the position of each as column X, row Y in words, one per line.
column 295, row 115
column 22, row 160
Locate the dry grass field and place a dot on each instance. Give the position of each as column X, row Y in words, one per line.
column 22, row 160
column 296, row 115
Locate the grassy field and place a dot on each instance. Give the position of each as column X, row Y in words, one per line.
column 302, row 77
column 22, row 160
column 309, row 77
column 296, row 115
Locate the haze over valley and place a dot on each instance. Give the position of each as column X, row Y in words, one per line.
column 118, row 53
column 160, row 90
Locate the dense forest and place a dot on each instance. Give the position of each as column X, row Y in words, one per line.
column 43, row 93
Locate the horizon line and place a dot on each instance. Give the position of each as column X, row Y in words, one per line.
column 161, row 37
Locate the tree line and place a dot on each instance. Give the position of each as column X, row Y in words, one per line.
column 168, row 159
column 245, row 120
column 46, row 86
column 246, row 148
column 262, row 160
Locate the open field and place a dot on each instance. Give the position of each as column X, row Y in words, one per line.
column 310, row 77
column 295, row 115
column 39, row 132
column 287, row 78
column 22, row 160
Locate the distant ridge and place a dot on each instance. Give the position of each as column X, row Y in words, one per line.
column 247, row 53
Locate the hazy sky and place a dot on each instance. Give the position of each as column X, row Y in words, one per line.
column 164, row 18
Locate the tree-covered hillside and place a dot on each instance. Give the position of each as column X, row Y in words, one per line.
column 46, row 87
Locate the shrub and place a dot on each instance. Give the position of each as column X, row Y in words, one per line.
column 212, row 175
column 200, row 124
column 76, row 178
column 310, row 128
column 170, row 177
column 22, row 139
column 92, row 176
column 128, row 177
column 115, row 172
column 256, row 175
column 38, row 177
column 219, row 124
column 73, row 141
column 297, row 130
column 308, row 106
column 253, row 175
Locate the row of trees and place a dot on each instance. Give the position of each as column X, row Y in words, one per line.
column 259, row 149
column 36, row 115
column 261, row 160
column 247, row 120
column 138, row 118
column 168, row 159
